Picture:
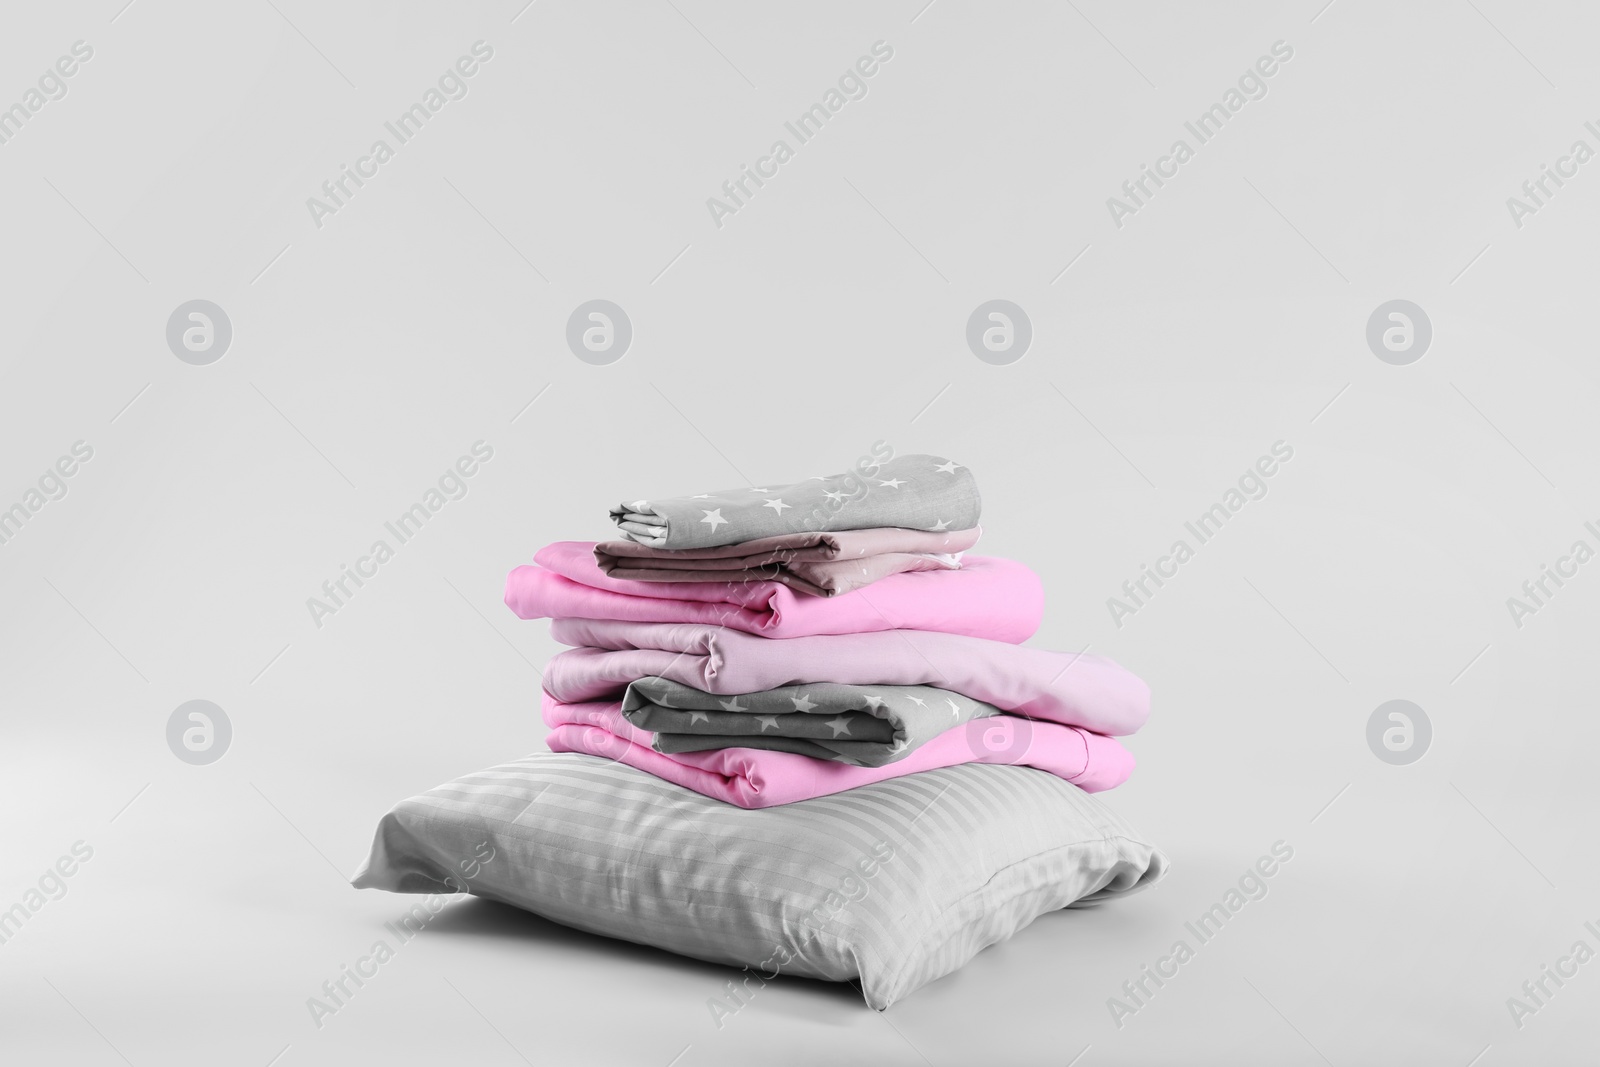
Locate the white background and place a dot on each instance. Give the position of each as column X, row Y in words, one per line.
column 830, row 312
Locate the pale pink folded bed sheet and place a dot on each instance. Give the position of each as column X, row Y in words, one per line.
column 998, row 599
column 1074, row 689
column 757, row 778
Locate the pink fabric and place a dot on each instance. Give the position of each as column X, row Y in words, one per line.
column 1062, row 687
column 756, row 778
column 992, row 598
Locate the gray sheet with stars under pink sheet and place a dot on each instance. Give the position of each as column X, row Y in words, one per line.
column 916, row 492
column 862, row 725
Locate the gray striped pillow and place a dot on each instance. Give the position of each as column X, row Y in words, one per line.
column 896, row 883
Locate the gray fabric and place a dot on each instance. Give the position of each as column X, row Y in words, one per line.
column 896, row 883
column 863, row 725
column 815, row 563
column 916, row 492
column 812, row 579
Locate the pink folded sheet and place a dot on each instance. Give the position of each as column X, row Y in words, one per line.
column 1073, row 689
column 757, row 778
column 998, row 599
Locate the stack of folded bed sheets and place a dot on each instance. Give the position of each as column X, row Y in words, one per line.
column 832, row 652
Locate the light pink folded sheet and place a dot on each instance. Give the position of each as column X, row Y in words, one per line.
column 999, row 599
column 1074, row 689
column 758, row 778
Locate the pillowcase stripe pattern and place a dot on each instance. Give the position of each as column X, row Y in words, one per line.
column 897, row 883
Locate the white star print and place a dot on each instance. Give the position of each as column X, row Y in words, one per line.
column 768, row 722
column 841, row 725
column 949, row 467
column 893, row 483
column 803, row 703
column 777, row 505
column 955, row 709
column 833, row 494
column 701, row 496
column 873, row 700
column 942, row 524
column 898, row 747
column 918, row 701
column 715, row 518
column 731, row 705
column 698, row 716
column 753, row 489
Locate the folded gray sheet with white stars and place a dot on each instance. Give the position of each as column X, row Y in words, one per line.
column 862, row 725
column 915, row 492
